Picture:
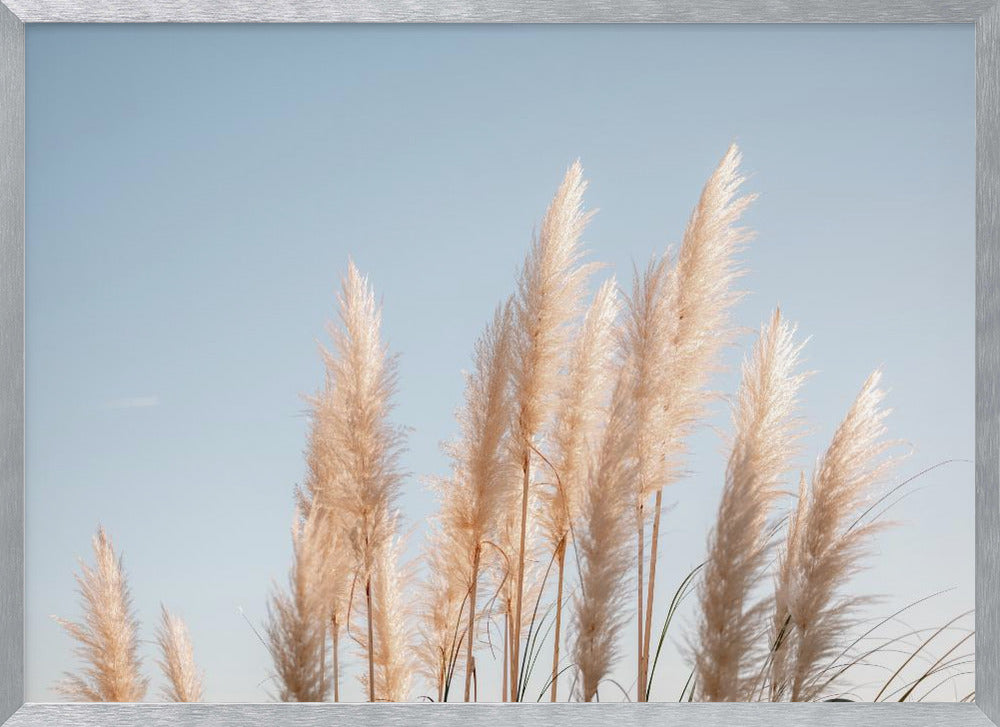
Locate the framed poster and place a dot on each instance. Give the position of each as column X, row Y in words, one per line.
column 499, row 363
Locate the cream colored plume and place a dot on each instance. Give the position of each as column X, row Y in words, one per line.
column 183, row 682
column 824, row 549
column 108, row 637
column 604, row 549
column 727, row 648
column 473, row 499
column 363, row 443
column 551, row 287
column 678, row 322
column 364, row 448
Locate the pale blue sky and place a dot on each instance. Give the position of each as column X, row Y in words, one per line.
column 194, row 194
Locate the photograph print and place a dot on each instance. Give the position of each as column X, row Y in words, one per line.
column 500, row 363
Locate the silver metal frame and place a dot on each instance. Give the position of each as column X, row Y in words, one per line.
column 984, row 13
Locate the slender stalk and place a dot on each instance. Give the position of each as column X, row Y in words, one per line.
column 371, row 641
column 472, row 623
column 440, row 680
column 640, row 684
column 322, row 658
column 526, row 466
column 561, row 565
column 335, row 632
column 506, row 664
column 650, row 590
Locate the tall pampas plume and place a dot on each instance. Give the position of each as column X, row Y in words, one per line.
column 726, row 658
column 365, row 446
column 604, row 549
column 296, row 627
column 108, row 637
column 824, row 548
column 550, row 289
column 580, row 407
column 678, row 323
column 472, row 499
column 177, row 660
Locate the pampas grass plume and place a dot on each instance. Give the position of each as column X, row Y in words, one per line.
column 108, row 637
column 177, row 660
column 726, row 661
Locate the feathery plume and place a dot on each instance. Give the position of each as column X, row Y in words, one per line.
column 177, row 660
column 296, row 627
column 824, row 548
column 764, row 443
column 472, row 500
column 364, row 445
column 550, row 289
column 604, row 549
column 678, row 323
column 108, row 637
column 580, row 406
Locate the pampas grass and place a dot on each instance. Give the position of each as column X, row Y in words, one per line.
column 824, row 547
column 572, row 424
column 550, row 289
column 764, row 443
column 365, row 448
column 580, row 409
column 604, row 549
column 471, row 506
column 678, row 322
column 108, row 637
column 296, row 634
column 177, row 660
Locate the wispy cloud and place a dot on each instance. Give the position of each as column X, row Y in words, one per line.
column 134, row 402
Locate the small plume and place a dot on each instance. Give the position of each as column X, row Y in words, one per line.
column 177, row 660
column 824, row 549
column 108, row 637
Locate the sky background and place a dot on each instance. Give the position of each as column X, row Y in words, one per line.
column 194, row 194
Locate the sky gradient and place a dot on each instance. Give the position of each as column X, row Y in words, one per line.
column 194, row 194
